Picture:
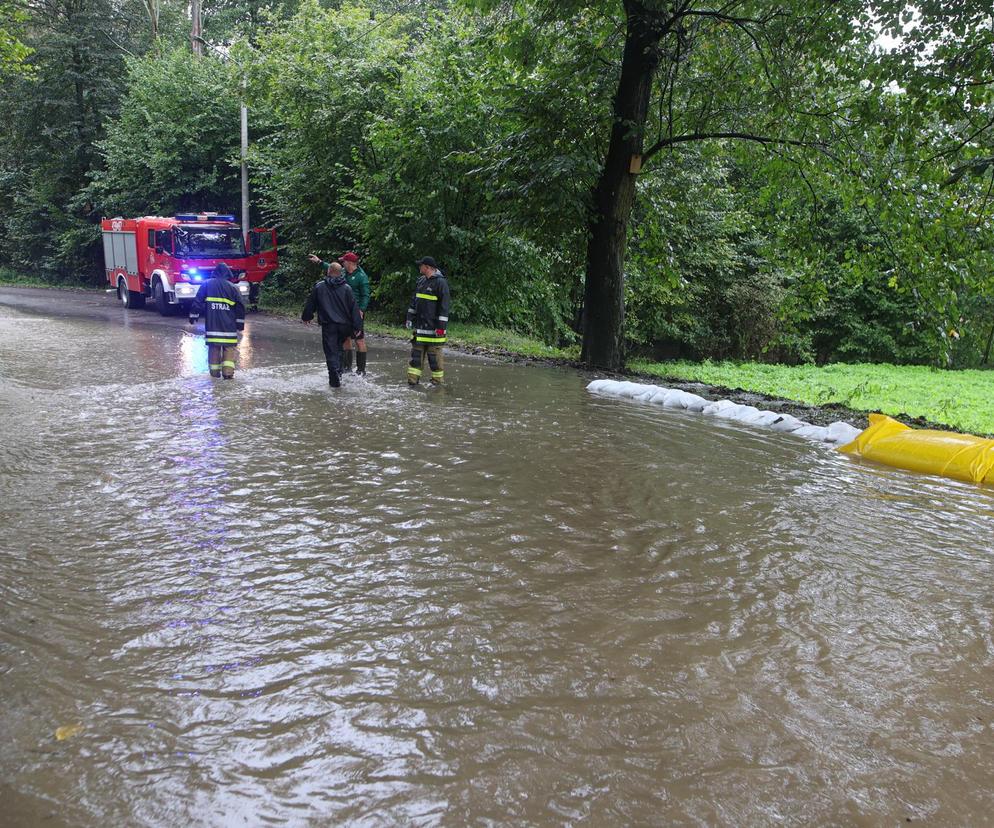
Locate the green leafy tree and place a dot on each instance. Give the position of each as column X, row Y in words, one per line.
column 174, row 146
column 318, row 82
column 14, row 51
column 422, row 194
column 698, row 281
column 711, row 72
column 53, row 116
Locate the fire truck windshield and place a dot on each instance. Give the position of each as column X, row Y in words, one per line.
column 209, row 242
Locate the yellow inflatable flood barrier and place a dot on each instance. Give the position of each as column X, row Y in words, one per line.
column 960, row 456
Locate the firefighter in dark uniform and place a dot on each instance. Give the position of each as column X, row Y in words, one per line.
column 338, row 314
column 224, row 320
column 428, row 317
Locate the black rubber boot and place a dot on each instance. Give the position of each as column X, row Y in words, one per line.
column 346, row 361
column 360, row 362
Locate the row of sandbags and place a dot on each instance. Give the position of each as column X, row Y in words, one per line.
column 837, row 433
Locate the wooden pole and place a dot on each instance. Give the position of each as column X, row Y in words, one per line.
column 245, row 181
column 196, row 39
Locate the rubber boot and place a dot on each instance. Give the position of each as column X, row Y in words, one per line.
column 346, row 361
column 360, row 363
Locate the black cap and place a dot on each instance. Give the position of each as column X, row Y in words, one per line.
column 426, row 260
column 222, row 271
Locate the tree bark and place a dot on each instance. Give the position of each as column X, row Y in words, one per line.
column 614, row 193
column 196, row 30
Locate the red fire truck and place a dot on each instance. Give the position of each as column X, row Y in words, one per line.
column 166, row 259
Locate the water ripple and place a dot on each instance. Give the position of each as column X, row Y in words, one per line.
column 501, row 602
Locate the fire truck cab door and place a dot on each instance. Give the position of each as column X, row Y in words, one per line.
column 262, row 249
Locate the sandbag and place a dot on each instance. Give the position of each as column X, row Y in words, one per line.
column 716, row 408
column 627, row 389
column 694, row 402
column 812, row 432
column 959, row 456
column 725, row 409
column 840, row 433
column 746, row 414
column 787, row 423
column 676, row 399
column 766, row 418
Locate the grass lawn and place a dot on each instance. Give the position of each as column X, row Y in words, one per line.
column 13, row 279
column 961, row 399
column 467, row 335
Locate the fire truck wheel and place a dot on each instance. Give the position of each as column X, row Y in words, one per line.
column 161, row 302
column 129, row 298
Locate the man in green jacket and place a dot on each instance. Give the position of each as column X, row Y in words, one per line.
column 359, row 282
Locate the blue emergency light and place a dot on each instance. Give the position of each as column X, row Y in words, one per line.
column 203, row 217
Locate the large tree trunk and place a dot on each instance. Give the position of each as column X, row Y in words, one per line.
column 614, row 195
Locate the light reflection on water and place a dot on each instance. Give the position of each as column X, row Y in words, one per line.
column 193, row 356
column 502, row 602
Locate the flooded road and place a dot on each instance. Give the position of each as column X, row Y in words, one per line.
column 504, row 602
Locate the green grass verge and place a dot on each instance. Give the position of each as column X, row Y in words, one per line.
column 961, row 399
column 14, row 279
column 469, row 336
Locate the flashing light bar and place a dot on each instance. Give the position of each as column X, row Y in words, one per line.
column 203, row 217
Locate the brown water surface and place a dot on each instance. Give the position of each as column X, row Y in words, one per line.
column 505, row 602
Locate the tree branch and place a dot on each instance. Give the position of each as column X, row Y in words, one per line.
column 739, row 136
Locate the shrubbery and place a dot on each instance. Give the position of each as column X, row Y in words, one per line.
column 476, row 139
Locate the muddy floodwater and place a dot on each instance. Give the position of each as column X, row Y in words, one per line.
column 506, row 602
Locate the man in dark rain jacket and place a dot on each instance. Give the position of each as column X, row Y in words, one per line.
column 225, row 319
column 338, row 314
column 359, row 282
column 428, row 317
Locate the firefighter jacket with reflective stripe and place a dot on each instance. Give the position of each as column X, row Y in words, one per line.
column 334, row 302
column 429, row 310
column 224, row 312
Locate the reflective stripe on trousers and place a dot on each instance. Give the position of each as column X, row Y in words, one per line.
column 421, row 351
column 221, row 359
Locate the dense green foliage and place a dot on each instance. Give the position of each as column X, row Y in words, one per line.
column 13, row 51
column 839, row 211
column 153, row 167
column 958, row 399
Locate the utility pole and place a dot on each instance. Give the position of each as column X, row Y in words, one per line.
column 196, row 38
column 245, row 181
column 198, row 49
